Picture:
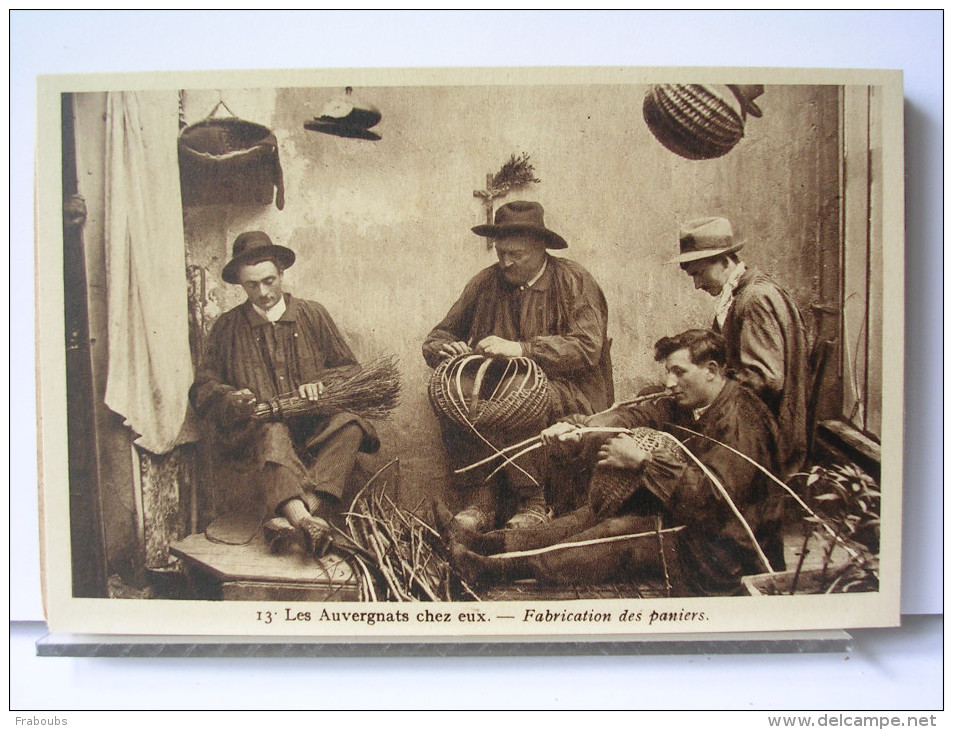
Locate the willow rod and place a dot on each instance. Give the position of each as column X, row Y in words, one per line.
column 533, row 439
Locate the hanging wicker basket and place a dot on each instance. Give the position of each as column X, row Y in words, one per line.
column 227, row 160
column 699, row 122
column 491, row 395
column 610, row 488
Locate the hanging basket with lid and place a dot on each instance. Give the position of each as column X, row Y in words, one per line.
column 491, row 395
column 227, row 160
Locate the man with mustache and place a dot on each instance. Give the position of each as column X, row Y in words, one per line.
column 535, row 305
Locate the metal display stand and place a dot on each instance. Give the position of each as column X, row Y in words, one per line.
column 89, row 645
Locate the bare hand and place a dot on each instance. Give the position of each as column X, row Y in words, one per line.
column 311, row 391
column 562, row 440
column 622, row 452
column 494, row 346
column 561, row 433
column 452, row 349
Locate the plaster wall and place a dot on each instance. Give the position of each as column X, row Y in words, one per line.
column 382, row 229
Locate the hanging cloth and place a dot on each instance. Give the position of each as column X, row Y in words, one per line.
column 150, row 365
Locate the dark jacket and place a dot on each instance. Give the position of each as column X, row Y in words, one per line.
column 560, row 322
column 714, row 550
column 246, row 351
column 768, row 351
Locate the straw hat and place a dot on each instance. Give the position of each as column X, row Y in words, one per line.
column 705, row 238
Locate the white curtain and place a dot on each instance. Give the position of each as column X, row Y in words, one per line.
column 150, row 366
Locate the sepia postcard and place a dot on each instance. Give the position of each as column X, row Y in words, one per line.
column 470, row 354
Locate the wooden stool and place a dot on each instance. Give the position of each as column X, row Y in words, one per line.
column 239, row 566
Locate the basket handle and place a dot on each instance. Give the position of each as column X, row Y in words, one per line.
column 221, row 103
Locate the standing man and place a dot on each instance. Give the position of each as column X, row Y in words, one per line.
column 767, row 341
column 719, row 532
column 275, row 344
column 529, row 304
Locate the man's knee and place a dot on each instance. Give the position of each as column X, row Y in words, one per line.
column 351, row 434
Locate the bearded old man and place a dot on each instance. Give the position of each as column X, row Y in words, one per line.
column 270, row 345
column 535, row 305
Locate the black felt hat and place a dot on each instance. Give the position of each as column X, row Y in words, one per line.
column 255, row 246
column 520, row 218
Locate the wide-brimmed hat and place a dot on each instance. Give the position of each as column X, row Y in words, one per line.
column 255, row 246
column 520, row 218
column 705, row 238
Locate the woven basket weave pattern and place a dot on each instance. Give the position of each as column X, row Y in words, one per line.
column 692, row 121
column 508, row 395
column 609, row 488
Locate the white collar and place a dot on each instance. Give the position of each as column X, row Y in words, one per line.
column 273, row 314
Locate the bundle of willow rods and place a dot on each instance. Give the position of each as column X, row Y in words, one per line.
column 408, row 563
column 371, row 391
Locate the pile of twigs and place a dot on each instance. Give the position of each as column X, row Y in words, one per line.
column 372, row 392
column 405, row 558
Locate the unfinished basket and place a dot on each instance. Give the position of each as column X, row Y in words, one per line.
column 491, row 395
column 609, row 488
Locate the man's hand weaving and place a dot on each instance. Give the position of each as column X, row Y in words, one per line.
column 494, row 346
column 622, row 452
column 452, row 349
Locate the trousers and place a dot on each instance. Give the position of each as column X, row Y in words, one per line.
column 553, row 553
column 323, row 470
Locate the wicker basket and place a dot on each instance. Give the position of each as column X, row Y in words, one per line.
column 491, row 395
column 610, row 488
column 228, row 160
column 694, row 121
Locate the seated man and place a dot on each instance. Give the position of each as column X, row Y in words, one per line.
column 275, row 344
column 534, row 305
column 706, row 412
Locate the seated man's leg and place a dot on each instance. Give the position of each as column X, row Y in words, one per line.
column 478, row 495
column 283, row 481
column 329, row 469
column 500, row 541
column 567, row 562
column 525, row 480
column 530, row 538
